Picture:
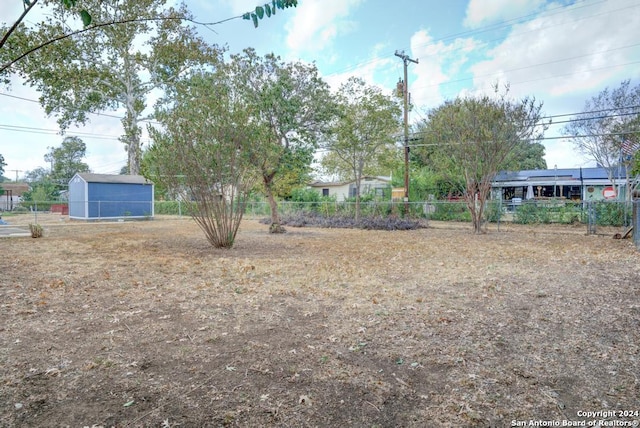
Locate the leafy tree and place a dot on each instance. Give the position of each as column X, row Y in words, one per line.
column 363, row 134
column 475, row 137
column 608, row 125
column 37, row 175
column 66, row 160
column 43, row 190
column 29, row 4
column 8, row 60
column 526, row 155
column 113, row 66
column 2, row 165
column 290, row 106
column 201, row 152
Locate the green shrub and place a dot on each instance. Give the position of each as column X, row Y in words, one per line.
column 526, row 214
column 168, row 208
column 450, row 211
column 493, row 211
column 612, row 214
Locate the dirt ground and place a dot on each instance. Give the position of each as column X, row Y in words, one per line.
column 144, row 324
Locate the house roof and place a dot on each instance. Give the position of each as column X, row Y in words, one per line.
column 112, row 178
column 558, row 174
column 17, row 189
column 342, row 183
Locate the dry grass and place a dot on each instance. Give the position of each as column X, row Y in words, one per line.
column 145, row 324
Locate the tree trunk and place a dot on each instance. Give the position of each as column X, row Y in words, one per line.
column 275, row 227
column 476, row 208
column 358, row 200
column 131, row 138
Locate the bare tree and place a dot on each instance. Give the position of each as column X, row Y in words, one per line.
column 607, row 130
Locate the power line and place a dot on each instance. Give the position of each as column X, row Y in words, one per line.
column 494, row 27
column 449, row 82
column 567, row 137
column 45, row 131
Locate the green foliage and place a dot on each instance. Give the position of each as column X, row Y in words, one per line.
column 607, row 213
column 41, row 192
column 66, row 160
column 2, row 165
column 169, row 208
column 526, row 155
column 493, row 211
column 362, row 140
column 201, row 153
column 450, row 211
column 107, row 68
column 268, row 9
column 290, row 106
column 472, row 138
column 612, row 214
column 425, row 182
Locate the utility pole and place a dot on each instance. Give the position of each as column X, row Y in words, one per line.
column 405, row 91
column 16, row 171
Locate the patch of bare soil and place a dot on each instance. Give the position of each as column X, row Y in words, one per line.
column 144, row 324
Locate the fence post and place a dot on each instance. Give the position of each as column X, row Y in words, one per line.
column 636, row 218
column 591, row 218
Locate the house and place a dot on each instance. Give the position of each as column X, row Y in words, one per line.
column 347, row 189
column 578, row 184
column 11, row 195
column 104, row 196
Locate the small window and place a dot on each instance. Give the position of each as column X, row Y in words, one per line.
column 325, row 192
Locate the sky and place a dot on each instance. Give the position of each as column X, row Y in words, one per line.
column 560, row 52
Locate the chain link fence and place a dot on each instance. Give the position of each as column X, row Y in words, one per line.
column 592, row 215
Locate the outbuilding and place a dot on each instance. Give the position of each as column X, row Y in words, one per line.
column 106, row 196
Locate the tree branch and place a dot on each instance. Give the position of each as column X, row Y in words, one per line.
column 93, row 27
column 15, row 25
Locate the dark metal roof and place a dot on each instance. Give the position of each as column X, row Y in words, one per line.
column 112, row 178
column 560, row 173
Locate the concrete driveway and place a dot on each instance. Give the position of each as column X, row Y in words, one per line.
column 8, row 231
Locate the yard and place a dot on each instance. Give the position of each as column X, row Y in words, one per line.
column 144, row 324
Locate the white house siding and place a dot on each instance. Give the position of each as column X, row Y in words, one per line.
column 345, row 189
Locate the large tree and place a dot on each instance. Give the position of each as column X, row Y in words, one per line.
column 67, row 160
column 475, row 136
column 2, row 165
column 111, row 67
column 364, row 132
column 607, row 130
column 201, row 152
column 291, row 107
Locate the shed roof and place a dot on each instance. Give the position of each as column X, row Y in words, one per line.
column 113, row 178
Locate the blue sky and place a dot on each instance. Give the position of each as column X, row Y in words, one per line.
column 560, row 52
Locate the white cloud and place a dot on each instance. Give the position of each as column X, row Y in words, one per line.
column 316, row 23
column 483, row 12
column 562, row 52
column 437, row 61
